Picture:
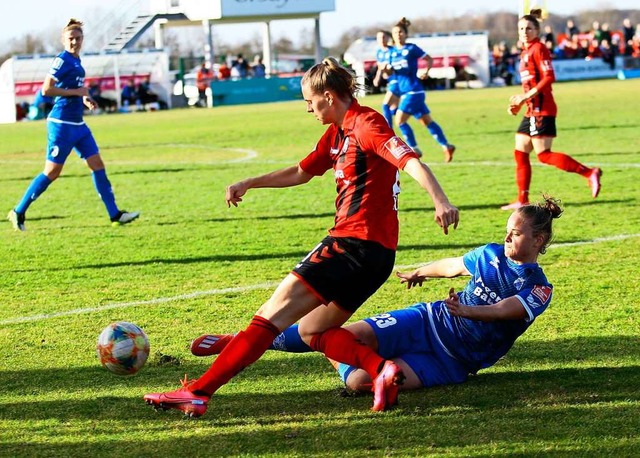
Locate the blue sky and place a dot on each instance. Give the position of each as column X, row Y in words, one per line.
column 32, row 16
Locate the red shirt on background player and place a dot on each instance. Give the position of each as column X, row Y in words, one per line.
column 538, row 127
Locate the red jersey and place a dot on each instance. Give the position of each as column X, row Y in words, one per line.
column 536, row 71
column 365, row 155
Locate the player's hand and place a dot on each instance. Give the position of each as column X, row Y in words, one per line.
column 90, row 103
column 234, row 193
column 411, row 278
column 453, row 303
column 447, row 215
column 517, row 100
column 513, row 110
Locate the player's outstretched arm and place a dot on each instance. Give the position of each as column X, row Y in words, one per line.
column 283, row 178
column 442, row 268
column 446, row 214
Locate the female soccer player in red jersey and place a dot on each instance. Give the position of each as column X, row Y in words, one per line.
column 346, row 267
column 538, row 127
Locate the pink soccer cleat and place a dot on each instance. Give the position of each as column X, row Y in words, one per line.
column 385, row 387
column 210, row 344
column 181, row 399
column 514, row 205
column 594, row 181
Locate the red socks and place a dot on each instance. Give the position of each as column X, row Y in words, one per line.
column 243, row 350
column 341, row 345
column 564, row 162
column 523, row 175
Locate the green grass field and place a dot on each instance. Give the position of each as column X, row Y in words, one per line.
column 569, row 387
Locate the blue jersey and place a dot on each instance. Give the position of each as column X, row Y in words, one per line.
column 68, row 73
column 383, row 57
column 405, row 66
column 479, row 344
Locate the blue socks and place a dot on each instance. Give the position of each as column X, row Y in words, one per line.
column 101, row 182
column 436, row 131
column 407, row 133
column 290, row 340
column 388, row 114
column 37, row 187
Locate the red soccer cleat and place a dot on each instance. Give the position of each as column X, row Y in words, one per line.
column 594, row 181
column 385, row 387
column 182, row 399
column 210, row 344
column 448, row 153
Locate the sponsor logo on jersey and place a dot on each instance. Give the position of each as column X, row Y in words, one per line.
column 495, row 262
column 542, row 292
column 518, row 283
column 397, row 147
column 345, row 147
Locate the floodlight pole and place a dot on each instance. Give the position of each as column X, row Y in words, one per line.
column 266, row 47
column 208, row 44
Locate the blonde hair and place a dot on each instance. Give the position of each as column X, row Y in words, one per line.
column 73, row 24
column 329, row 74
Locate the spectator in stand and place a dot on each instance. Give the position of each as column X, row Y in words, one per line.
column 129, row 95
column 203, row 82
column 594, row 52
column 605, row 33
column 608, row 54
column 538, row 127
column 105, row 104
column 258, row 69
column 548, row 37
column 148, row 98
column 240, row 67
column 628, row 32
column 224, row 72
column 582, row 51
column 571, row 30
column 596, row 31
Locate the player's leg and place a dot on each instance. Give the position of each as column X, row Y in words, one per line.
column 60, row 141
column 542, row 143
column 389, row 107
column 521, row 155
column 88, row 150
column 423, row 114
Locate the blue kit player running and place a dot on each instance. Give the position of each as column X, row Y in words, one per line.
column 442, row 342
column 404, row 61
column 384, row 71
column 66, row 130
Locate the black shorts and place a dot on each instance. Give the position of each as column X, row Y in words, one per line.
column 346, row 271
column 538, row 126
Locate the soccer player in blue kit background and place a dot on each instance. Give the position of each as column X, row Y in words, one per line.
column 404, row 59
column 66, row 130
column 443, row 342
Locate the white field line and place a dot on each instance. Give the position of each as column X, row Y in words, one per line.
column 242, row 289
column 248, row 155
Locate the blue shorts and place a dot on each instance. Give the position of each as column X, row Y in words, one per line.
column 62, row 138
column 406, row 334
column 394, row 87
column 413, row 103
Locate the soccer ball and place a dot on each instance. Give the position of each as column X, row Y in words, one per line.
column 123, row 348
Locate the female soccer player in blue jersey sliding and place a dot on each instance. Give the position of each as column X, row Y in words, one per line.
column 442, row 342
column 404, row 60
column 66, row 130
